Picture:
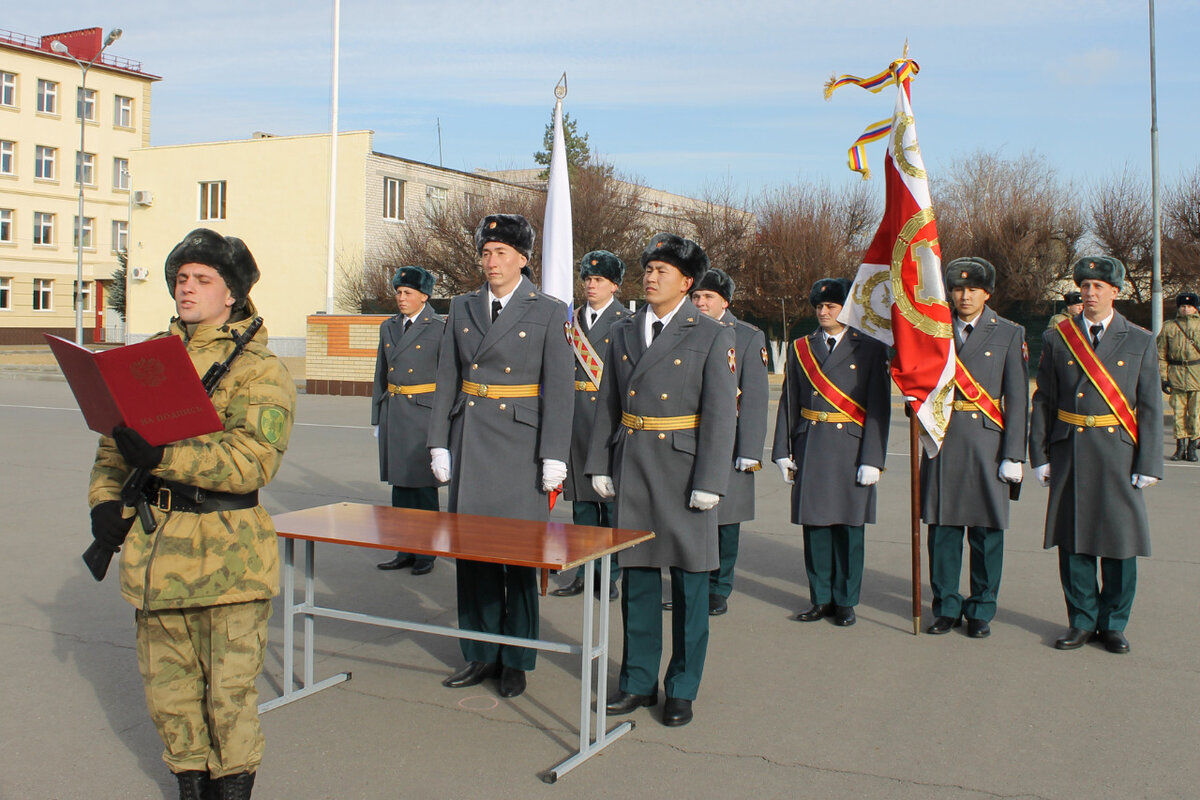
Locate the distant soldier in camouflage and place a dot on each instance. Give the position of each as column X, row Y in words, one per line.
column 1073, row 307
column 1179, row 367
column 202, row 581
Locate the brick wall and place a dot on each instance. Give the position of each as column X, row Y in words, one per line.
column 340, row 352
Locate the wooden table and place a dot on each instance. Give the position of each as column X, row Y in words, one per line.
column 542, row 545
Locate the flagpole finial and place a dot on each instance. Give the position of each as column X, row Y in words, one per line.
column 904, row 55
column 560, row 89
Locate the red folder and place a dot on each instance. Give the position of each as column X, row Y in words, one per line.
column 151, row 387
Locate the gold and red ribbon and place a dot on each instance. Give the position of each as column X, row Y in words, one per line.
column 974, row 391
column 825, row 387
column 1096, row 372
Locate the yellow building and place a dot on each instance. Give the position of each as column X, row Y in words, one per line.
column 41, row 102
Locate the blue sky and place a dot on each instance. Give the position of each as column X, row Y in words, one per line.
column 679, row 95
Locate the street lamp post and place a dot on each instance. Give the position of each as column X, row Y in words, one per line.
column 59, row 47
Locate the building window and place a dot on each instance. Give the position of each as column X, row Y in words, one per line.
column 47, row 97
column 89, row 223
column 43, row 162
column 212, row 200
column 85, row 163
column 120, row 173
column 435, row 201
column 120, row 236
column 43, row 228
column 87, row 295
column 6, row 225
column 393, row 199
column 5, row 294
column 8, row 161
column 85, row 104
column 43, row 294
column 123, row 112
column 8, row 89
column 473, row 204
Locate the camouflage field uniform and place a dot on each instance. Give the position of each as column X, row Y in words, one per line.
column 202, row 583
column 1179, row 365
column 1057, row 318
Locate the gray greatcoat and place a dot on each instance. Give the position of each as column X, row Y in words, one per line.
column 828, row 454
column 497, row 444
column 1093, row 508
column 578, row 486
column 961, row 485
column 406, row 359
column 689, row 369
column 752, row 383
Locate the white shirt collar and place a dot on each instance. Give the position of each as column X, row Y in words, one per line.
column 837, row 337
column 589, row 311
column 415, row 316
column 651, row 318
column 1087, row 323
column 503, row 300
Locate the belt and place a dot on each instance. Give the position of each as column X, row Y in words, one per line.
column 585, row 386
column 416, row 388
column 965, row 405
column 1171, row 362
column 1090, row 420
column 172, row 496
column 492, row 390
column 638, row 423
column 825, row 416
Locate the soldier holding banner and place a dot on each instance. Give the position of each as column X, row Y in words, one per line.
column 601, row 273
column 1095, row 438
column 501, row 434
column 831, row 436
column 965, row 487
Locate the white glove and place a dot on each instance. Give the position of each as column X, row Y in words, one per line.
column 1142, row 481
column 1042, row 473
column 439, row 462
column 376, row 431
column 1010, row 471
column 788, row 468
column 746, row 464
column 867, row 475
column 603, row 486
column 554, row 472
column 703, row 501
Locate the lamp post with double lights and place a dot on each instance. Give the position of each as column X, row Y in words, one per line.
column 58, row 47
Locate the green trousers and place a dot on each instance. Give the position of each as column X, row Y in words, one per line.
column 641, row 610
column 497, row 598
column 945, row 569
column 424, row 498
column 598, row 515
column 833, row 559
column 720, row 580
column 1090, row 606
column 1186, row 407
column 199, row 667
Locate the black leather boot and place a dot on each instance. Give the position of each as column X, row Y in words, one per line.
column 1191, row 451
column 193, row 785
column 1181, row 445
column 233, row 787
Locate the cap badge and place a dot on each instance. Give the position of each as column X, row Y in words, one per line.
column 491, row 225
column 964, row 274
column 594, row 262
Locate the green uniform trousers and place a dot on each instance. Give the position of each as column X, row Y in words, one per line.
column 641, row 609
column 720, row 580
column 199, row 666
column 833, row 559
column 497, row 598
column 598, row 515
column 424, row 498
column 1186, row 407
column 1091, row 607
column 945, row 570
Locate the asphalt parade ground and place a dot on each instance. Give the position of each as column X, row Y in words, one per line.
column 786, row 709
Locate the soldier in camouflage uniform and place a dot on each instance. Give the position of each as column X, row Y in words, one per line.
column 1179, row 368
column 1072, row 307
column 202, row 581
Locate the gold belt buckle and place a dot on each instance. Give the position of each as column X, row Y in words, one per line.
column 1089, row 421
column 823, row 416
column 958, row 405
column 639, row 423
column 483, row 390
column 163, row 501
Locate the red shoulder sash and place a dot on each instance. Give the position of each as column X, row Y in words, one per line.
column 825, row 387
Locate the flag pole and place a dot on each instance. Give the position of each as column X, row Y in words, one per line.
column 914, row 465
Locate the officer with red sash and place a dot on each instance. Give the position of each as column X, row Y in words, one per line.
column 965, row 487
column 1095, row 438
column 830, row 441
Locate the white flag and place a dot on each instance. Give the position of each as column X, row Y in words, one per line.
column 558, row 274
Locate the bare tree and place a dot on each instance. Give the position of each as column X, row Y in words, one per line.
column 1016, row 214
column 1181, row 234
column 1122, row 226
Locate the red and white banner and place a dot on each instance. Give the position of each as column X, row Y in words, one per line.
column 898, row 296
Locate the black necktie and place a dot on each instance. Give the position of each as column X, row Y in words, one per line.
column 592, row 319
column 830, row 342
column 655, row 330
column 407, row 325
column 1096, row 331
column 967, row 332
column 495, row 309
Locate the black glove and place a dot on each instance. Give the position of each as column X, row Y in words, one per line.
column 1166, row 384
column 137, row 451
column 109, row 528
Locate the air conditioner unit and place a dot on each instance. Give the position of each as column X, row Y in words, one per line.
column 143, row 198
column 139, row 273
